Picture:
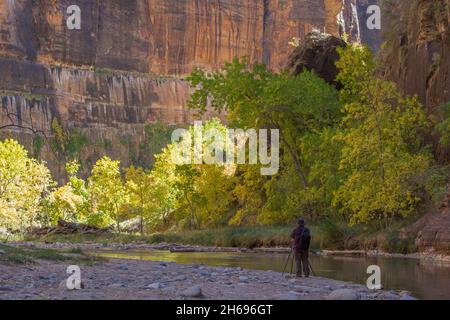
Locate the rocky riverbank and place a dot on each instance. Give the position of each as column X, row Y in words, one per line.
column 142, row 280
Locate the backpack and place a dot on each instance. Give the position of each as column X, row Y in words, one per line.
column 304, row 240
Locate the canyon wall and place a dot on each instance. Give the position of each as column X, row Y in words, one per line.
column 417, row 54
column 123, row 71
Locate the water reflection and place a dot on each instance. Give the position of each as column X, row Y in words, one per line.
column 426, row 280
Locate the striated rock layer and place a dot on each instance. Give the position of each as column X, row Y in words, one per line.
column 124, row 69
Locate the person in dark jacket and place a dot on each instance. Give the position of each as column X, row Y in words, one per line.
column 301, row 239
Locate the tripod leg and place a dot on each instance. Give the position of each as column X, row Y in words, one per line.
column 292, row 263
column 311, row 268
column 287, row 262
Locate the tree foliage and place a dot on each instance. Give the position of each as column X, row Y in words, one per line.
column 383, row 146
column 358, row 155
column 107, row 192
column 24, row 182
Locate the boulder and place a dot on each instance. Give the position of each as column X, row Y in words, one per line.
column 318, row 52
column 343, row 294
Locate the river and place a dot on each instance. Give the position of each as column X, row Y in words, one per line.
column 424, row 279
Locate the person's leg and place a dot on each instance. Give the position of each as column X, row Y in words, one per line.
column 298, row 262
column 305, row 263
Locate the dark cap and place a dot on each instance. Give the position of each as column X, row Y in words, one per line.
column 301, row 221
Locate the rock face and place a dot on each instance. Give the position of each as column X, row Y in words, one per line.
column 319, row 53
column 124, row 69
column 418, row 55
column 435, row 234
column 432, row 231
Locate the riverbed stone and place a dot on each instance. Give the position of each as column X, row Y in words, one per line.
column 343, row 294
column 192, row 292
column 155, row 286
column 181, row 277
column 287, row 296
column 388, row 296
column 122, row 267
column 407, row 297
column 6, row 289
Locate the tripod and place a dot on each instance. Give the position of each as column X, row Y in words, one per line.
column 291, row 253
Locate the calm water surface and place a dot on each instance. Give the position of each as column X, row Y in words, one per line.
column 426, row 280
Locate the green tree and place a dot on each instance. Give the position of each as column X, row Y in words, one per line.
column 139, row 184
column 250, row 195
column 71, row 201
column 215, row 186
column 255, row 98
column 164, row 191
column 108, row 193
column 24, row 182
column 383, row 148
column 301, row 107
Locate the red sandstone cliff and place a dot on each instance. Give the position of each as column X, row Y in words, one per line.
column 124, row 69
